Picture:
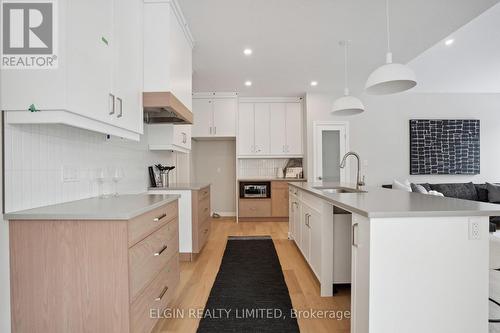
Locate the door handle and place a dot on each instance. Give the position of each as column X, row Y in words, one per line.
column 354, row 241
column 120, row 103
column 112, row 103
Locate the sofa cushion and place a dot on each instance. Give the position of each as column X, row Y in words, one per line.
column 493, row 193
column 482, row 192
column 465, row 191
column 416, row 188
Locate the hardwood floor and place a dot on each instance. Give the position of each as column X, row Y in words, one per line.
column 197, row 278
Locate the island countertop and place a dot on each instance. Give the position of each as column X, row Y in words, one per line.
column 380, row 202
column 122, row 207
column 180, row 187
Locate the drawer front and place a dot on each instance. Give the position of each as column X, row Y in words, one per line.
column 143, row 225
column 155, row 298
column 204, row 193
column 254, row 207
column 278, row 185
column 147, row 257
column 204, row 210
column 203, row 233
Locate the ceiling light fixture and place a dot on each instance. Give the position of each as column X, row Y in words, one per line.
column 247, row 52
column 390, row 78
column 448, row 42
column 347, row 105
column 248, row 83
column 314, row 83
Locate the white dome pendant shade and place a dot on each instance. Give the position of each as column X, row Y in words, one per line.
column 347, row 105
column 390, row 78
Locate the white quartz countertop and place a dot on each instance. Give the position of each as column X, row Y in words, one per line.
column 181, row 186
column 123, row 207
column 381, row 202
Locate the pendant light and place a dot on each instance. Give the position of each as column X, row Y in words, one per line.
column 347, row 105
column 390, row 78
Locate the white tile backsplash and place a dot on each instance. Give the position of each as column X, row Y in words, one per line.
column 266, row 167
column 35, row 156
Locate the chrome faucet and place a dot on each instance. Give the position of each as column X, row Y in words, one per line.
column 359, row 182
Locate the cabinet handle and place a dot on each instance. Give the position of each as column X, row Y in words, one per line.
column 286, row 149
column 120, row 103
column 112, row 103
column 156, row 254
column 354, row 241
column 210, row 130
column 161, row 294
column 205, row 231
column 184, row 137
column 215, row 130
column 159, row 218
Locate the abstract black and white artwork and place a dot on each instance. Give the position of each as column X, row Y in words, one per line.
column 444, row 147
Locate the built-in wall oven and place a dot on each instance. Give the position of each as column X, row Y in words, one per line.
column 255, row 190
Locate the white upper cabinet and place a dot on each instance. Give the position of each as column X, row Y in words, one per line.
column 214, row 116
column 246, row 131
column 98, row 82
column 168, row 48
column 276, row 128
column 169, row 137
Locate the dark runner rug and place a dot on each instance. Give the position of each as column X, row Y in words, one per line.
column 249, row 293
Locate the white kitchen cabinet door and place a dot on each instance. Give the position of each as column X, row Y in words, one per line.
column 277, row 118
column 128, row 64
column 224, row 117
column 203, row 117
column 305, row 232
column 315, row 236
column 182, row 136
column 90, row 53
column 262, row 129
column 293, row 129
column 360, row 274
column 246, row 130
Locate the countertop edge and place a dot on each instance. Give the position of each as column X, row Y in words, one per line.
column 13, row 216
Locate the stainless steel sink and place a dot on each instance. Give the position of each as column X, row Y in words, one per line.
column 338, row 190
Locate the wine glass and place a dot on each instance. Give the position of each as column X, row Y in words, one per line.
column 100, row 177
column 117, row 176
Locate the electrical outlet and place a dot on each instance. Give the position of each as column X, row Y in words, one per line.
column 474, row 233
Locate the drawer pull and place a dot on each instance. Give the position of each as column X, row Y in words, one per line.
column 206, row 209
column 159, row 218
column 156, row 254
column 205, row 231
column 161, row 294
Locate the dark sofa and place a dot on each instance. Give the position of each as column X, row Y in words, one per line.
column 467, row 191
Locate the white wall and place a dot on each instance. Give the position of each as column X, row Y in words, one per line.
column 214, row 162
column 36, row 154
column 381, row 134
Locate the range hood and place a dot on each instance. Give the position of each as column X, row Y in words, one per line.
column 164, row 107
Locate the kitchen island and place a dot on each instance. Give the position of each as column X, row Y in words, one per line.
column 94, row 265
column 416, row 263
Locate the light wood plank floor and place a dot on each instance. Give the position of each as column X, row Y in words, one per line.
column 197, row 278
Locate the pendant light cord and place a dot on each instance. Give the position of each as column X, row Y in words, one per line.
column 387, row 26
column 346, row 91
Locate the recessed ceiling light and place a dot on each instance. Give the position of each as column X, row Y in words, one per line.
column 248, row 83
column 314, row 83
column 448, row 42
column 247, row 52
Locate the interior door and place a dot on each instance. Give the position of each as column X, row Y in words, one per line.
column 224, row 117
column 246, row 129
column 262, row 128
column 203, row 117
column 277, row 118
column 330, row 145
column 293, row 129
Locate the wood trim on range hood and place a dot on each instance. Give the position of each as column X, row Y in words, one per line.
column 157, row 104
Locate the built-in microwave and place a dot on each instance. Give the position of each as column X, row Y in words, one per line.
column 255, row 190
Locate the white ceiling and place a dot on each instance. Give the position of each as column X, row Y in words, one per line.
column 470, row 65
column 296, row 41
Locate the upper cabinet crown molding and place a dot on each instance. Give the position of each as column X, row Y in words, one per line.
column 270, row 99
column 215, row 95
